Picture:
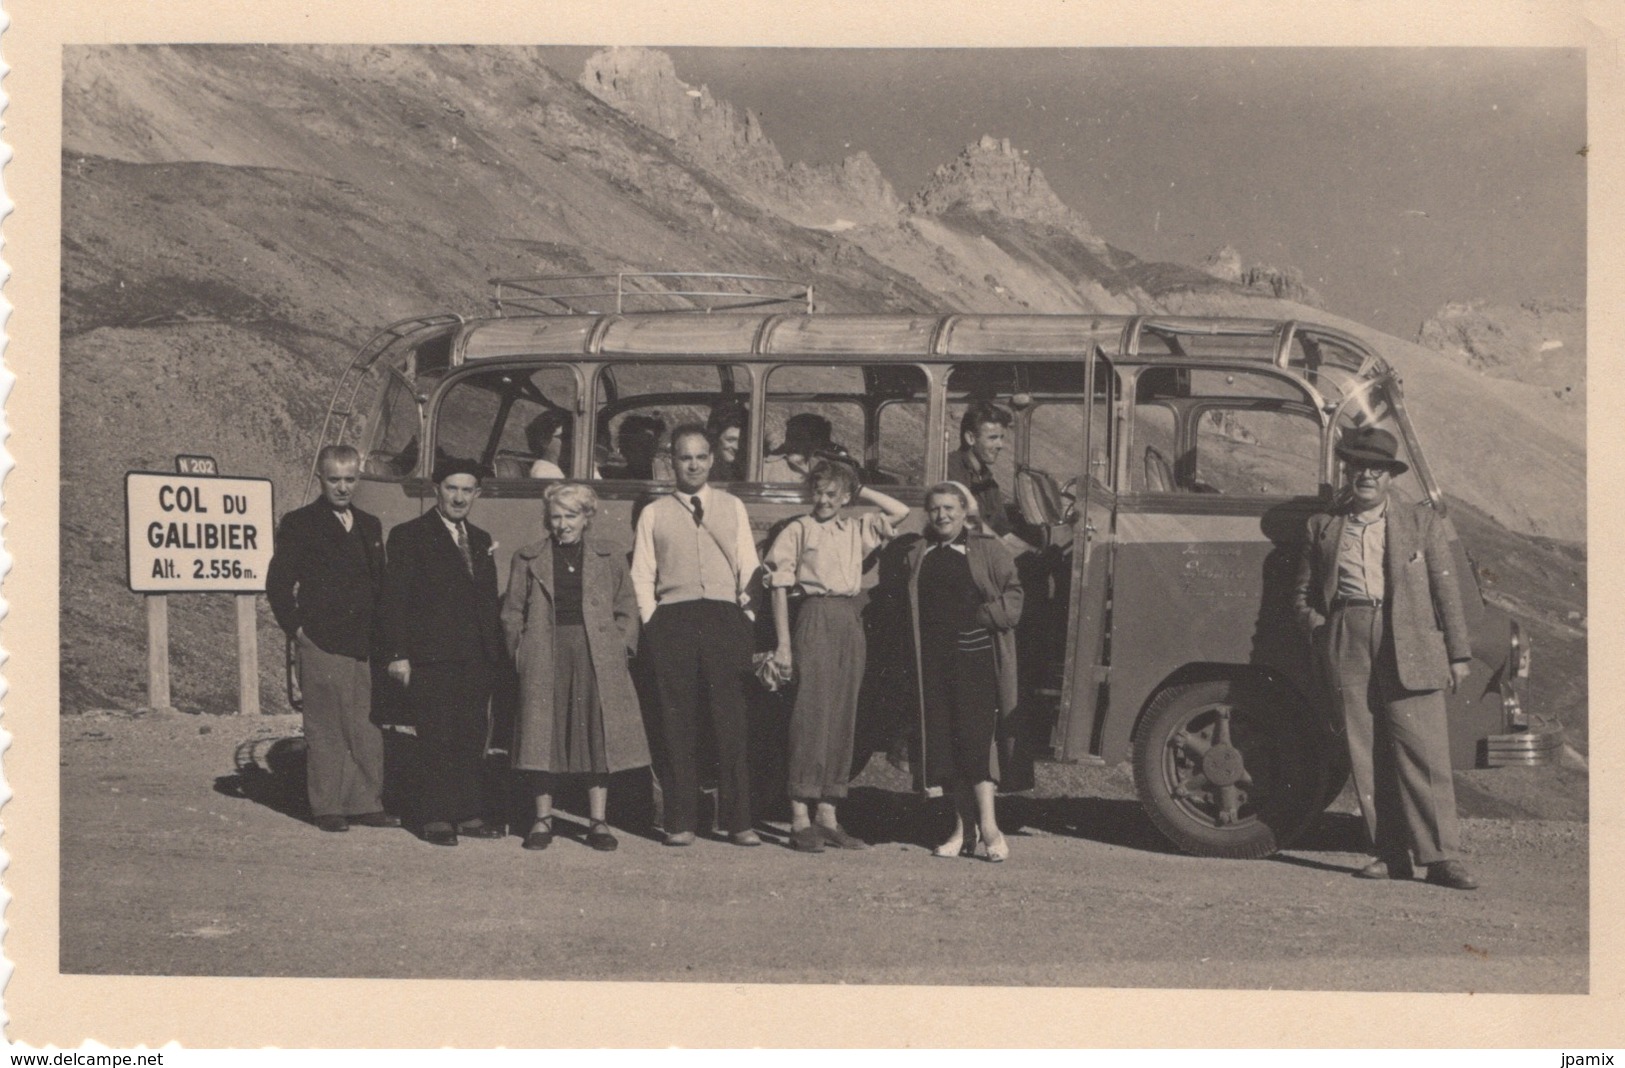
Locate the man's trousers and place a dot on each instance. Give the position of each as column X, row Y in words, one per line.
column 1398, row 742
column 344, row 751
column 450, row 702
column 702, row 648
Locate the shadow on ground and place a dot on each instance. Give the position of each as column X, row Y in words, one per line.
column 271, row 772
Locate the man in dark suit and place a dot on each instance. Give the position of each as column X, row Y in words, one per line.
column 323, row 587
column 1376, row 594
column 441, row 635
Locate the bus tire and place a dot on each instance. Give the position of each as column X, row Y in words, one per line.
column 1229, row 767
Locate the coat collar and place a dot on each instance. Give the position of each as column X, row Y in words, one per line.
column 539, row 559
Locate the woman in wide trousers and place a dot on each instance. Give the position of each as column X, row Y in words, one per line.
column 822, row 554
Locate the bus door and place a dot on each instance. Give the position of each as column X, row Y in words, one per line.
column 1076, row 733
column 1222, row 470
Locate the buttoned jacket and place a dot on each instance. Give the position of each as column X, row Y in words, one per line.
column 432, row 609
column 326, row 579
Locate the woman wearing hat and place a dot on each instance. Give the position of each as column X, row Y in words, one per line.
column 1383, row 611
column 804, row 434
column 966, row 602
column 571, row 620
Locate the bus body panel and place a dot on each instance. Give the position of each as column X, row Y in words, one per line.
column 1194, row 587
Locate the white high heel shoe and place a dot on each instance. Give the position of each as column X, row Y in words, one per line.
column 998, row 850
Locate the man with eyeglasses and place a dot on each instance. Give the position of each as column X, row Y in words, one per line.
column 1383, row 610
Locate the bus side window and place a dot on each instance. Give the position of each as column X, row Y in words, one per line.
column 836, row 411
column 640, row 404
column 495, row 417
column 392, row 451
column 1256, row 453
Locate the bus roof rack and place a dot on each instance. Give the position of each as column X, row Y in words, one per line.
column 631, row 291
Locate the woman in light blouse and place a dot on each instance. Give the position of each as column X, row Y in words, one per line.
column 823, row 553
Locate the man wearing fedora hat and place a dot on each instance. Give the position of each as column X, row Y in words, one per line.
column 440, row 632
column 1384, row 614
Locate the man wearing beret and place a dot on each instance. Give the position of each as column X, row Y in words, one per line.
column 1383, row 611
column 440, row 633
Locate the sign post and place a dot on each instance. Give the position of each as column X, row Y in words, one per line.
column 157, row 650
column 196, row 533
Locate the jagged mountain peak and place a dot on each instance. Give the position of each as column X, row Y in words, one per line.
column 1285, row 283
column 990, row 175
column 643, row 84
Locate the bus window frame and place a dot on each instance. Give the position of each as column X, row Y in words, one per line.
column 393, row 375
column 505, row 405
column 615, row 403
column 868, row 404
column 1185, row 426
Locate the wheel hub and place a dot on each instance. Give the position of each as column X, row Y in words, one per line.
column 1222, row 765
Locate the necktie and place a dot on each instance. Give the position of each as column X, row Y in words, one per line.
column 462, row 547
column 345, row 518
column 699, row 510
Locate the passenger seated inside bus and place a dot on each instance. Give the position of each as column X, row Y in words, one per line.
column 727, row 424
column 637, row 440
column 547, row 436
column 806, row 439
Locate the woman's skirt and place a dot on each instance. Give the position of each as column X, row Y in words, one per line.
column 578, row 716
column 960, row 688
column 828, row 644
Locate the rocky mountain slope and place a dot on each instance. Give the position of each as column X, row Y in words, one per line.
column 238, row 220
column 1540, row 342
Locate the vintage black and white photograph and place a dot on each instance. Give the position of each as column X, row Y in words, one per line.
column 1047, row 517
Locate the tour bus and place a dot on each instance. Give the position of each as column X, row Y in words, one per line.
column 1162, row 470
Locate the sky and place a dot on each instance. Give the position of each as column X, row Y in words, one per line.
column 1395, row 179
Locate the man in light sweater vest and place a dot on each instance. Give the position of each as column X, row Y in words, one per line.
column 692, row 563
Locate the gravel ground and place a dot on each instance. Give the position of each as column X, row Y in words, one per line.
column 178, row 812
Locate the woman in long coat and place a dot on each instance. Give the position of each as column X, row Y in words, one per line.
column 571, row 621
column 966, row 601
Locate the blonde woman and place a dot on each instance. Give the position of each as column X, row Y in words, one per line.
column 571, row 620
column 823, row 554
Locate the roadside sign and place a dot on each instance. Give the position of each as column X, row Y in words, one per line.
column 197, row 534
column 196, row 465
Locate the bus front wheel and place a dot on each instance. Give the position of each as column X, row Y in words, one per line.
column 1229, row 767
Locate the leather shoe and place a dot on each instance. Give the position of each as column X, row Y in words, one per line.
column 1452, row 874
column 806, row 840
column 837, row 837
column 480, row 829
column 678, row 838
column 332, row 824
column 375, row 819
column 599, row 838
column 1381, row 869
column 745, row 838
column 440, row 834
column 541, row 834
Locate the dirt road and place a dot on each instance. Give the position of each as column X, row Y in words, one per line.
column 167, row 868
